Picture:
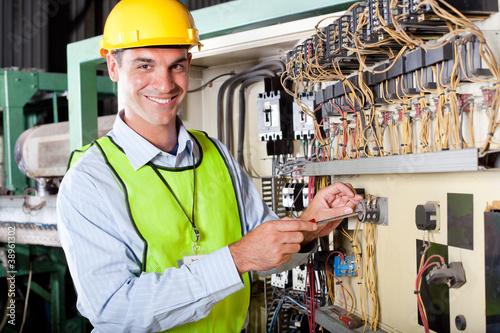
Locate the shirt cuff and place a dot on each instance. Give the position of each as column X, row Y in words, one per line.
column 220, row 273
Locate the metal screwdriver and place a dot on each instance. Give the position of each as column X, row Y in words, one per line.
column 334, row 218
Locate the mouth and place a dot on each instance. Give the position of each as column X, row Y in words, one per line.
column 161, row 100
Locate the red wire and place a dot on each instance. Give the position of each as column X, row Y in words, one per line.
column 313, row 299
column 311, row 303
column 341, row 255
column 310, row 187
column 355, row 132
column 341, row 287
column 419, row 277
column 299, row 169
column 435, row 256
column 344, row 150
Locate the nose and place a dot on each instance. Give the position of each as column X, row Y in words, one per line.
column 163, row 81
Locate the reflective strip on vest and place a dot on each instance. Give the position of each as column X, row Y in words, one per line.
column 165, row 230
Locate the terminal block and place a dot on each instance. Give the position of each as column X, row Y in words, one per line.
column 345, row 267
column 374, row 210
column 452, row 274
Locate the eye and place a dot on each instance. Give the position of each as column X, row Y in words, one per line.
column 144, row 66
column 177, row 67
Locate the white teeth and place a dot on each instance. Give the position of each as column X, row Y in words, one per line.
column 160, row 100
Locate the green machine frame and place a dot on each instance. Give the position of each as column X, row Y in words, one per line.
column 17, row 88
column 48, row 260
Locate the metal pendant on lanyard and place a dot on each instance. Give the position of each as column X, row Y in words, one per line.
column 196, row 245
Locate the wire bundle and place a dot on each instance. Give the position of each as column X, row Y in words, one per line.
column 363, row 135
column 422, row 268
column 310, row 296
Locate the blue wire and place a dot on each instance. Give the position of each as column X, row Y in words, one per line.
column 296, row 303
column 274, row 315
column 288, row 298
column 331, row 142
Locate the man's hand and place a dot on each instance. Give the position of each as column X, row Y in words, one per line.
column 270, row 245
column 334, row 200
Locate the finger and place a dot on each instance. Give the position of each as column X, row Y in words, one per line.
column 289, row 249
column 351, row 187
column 338, row 189
column 351, row 204
column 293, row 237
column 346, row 189
column 338, row 211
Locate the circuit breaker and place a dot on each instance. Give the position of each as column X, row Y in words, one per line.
column 303, row 124
column 274, row 116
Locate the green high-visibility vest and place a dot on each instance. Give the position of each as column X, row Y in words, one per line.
column 164, row 227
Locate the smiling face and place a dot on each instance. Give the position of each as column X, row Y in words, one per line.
column 152, row 83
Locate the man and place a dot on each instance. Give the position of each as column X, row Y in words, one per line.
column 150, row 194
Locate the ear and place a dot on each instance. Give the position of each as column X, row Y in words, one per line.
column 112, row 67
column 190, row 56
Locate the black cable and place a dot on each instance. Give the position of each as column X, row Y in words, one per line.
column 220, row 95
column 209, row 82
column 292, row 209
column 229, row 99
column 242, row 115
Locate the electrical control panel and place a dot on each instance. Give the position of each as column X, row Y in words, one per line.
column 400, row 98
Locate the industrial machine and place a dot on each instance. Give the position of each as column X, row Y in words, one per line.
column 398, row 98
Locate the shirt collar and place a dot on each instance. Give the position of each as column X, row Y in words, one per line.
column 139, row 150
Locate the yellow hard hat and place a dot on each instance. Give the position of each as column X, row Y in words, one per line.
column 142, row 23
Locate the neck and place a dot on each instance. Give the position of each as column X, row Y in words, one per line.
column 163, row 137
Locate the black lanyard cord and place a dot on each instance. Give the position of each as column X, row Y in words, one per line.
column 191, row 220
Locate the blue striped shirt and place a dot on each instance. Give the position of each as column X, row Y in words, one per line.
column 104, row 251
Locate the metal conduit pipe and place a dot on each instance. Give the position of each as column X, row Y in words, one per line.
column 229, row 99
column 222, row 89
column 242, row 115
